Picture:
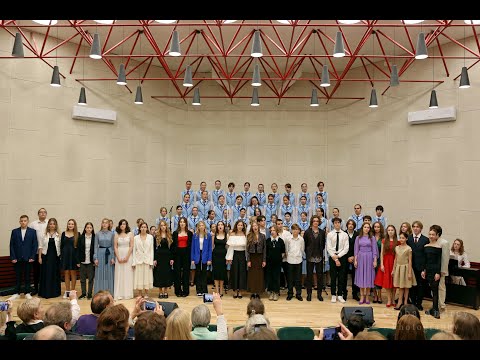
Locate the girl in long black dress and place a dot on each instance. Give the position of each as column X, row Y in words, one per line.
column 219, row 252
column 68, row 254
column 432, row 272
column 163, row 259
column 49, row 260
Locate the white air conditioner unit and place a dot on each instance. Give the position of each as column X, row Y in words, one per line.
column 432, row 115
column 92, row 114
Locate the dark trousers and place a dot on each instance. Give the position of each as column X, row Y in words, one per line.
column 22, row 268
column 284, row 275
column 309, row 280
column 36, row 273
column 338, row 275
column 273, row 277
column 201, row 277
column 181, row 268
column 416, row 292
column 87, row 271
column 295, row 279
column 434, row 287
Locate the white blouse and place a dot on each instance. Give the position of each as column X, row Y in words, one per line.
column 461, row 259
column 235, row 243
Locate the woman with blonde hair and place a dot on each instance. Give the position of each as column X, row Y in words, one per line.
column 49, row 259
column 31, row 312
column 68, row 254
column 142, row 260
column 406, row 228
column 104, row 258
column 409, row 327
column 457, row 251
column 179, row 325
column 201, row 256
column 163, row 259
column 236, row 256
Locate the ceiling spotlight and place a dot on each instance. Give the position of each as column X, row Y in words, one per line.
column 82, row 99
column 139, row 96
column 196, row 97
column 314, row 98
column 472, row 22
column 411, row 22
column 288, row 22
column 187, row 81
column 373, row 99
column 464, row 80
column 55, row 82
column 229, row 21
column 255, row 100
column 122, row 78
column 339, row 49
column 433, row 100
column 105, row 22
column 175, row 45
column 166, row 21
column 95, row 52
column 421, row 51
column 256, row 45
column 348, row 22
column 46, row 22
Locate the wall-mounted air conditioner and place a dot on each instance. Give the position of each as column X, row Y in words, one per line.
column 92, row 114
column 432, row 115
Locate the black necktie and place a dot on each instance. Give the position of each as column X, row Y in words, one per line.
column 338, row 240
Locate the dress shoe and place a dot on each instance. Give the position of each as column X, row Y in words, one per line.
column 299, row 297
column 289, row 297
column 34, row 292
column 420, row 307
column 309, row 297
column 89, row 296
column 356, row 298
column 275, row 297
column 83, row 296
column 319, row 297
column 271, row 296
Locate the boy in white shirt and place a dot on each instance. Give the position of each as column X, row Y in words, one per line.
column 295, row 250
column 337, row 248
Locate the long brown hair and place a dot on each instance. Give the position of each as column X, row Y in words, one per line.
column 252, row 237
column 48, row 223
column 462, row 248
column 386, row 243
column 234, row 230
column 382, row 230
column 409, row 227
column 75, row 232
column 158, row 237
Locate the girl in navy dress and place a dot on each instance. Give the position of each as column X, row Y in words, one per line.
column 68, row 252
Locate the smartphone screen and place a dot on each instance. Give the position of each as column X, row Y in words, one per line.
column 3, row 306
column 67, row 294
column 331, row 333
column 207, row 298
column 150, row 305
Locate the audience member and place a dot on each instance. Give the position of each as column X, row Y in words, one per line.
column 457, row 251
column 87, row 324
column 370, row 335
column 113, row 323
column 7, row 325
column 150, row 326
column 254, row 322
column 255, row 306
column 201, row 319
column 466, row 326
column 61, row 314
column 409, row 327
column 179, row 326
column 31, row 312
column 445, row 335
column 262, row 333
column 50, row 332
column 356, row 324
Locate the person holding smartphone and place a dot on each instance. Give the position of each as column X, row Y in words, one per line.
column 201, row 318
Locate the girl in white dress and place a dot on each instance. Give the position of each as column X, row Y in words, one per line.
column 143, row 260
column 123, row 247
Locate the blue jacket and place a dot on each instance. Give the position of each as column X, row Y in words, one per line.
column 25, row 249
column 207, row 249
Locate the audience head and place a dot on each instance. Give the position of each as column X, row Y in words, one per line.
column 409, row 327
column 150, row 326
column 254, row 322
column 59, row 314
column 179, row 325
column 50, row 332
column 445, row 335
column 113, row 323
column 355, row 324
column 201, row 316
column 255, row 306
column 100, row 301
column 409, row 309
column 466, row 326
column 262, row 333
column 31, row 309
column 370, row 335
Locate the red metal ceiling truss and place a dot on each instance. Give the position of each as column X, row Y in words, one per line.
column 226, row 49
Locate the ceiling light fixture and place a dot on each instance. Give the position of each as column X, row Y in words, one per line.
column 325, row 76
column 175, row 45
column 82, row 99
column 256, row 45
column 196, row 97
column 464, row 80
column 46, row 22
column 348, row 22
column 105, row 22
column 17, row 50
column 421, row 50
column 122, row 77
column 55, row 82
column 412, row 22
column 314, row 98
column 229, row 21
column 166, row 21
column 95, row 52
column 256, row 81
column 287, row 22
column 373, row 94
column 339, row 49
column 139, row 96
column 472, row 22
column 255, row 99
column 394, row 80
column 433, row 95
column 187, row 80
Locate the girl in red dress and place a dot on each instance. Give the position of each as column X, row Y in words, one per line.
column 384, row 276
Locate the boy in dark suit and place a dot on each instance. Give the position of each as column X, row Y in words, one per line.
column 417, row 242
column 23, row 248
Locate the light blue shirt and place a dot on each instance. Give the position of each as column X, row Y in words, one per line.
column 291, row 196
column 215, row 194
column 236, row 210
column 307, row 195
column 262, row 198
column 198, row 196
column 358, row 221
column 304, row 225
column 276, row 198
column 209, row 223
column 219, row 211
column 303, row 208
column 203, row 208
column 323, row 224
column 269, row 210
column 186, row 209
column 381, row 219
column 189, row 192
column 246, row 198
column 251, row 210
column 316, row 205
column 245, row 220
column 288, row 224
column 193, row 221
column 174, row 222
column 166, row 219
column 230, row 198
column 286, row 208
column 324, row 195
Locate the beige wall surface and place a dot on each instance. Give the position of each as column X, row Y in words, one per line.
column 372, row 156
